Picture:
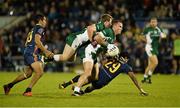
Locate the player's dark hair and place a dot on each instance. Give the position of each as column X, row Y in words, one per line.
column 38, row 17
column 106, row 17
column 124, row 54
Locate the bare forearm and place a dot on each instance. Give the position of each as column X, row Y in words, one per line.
column 90, row 34
column 133, row 78
column 39, row 44
column 100, row 40
column 91, row 30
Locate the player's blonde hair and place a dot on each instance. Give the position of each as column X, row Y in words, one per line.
column 106, row 17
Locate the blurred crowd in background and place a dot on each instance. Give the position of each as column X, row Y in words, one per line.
column 67, row 16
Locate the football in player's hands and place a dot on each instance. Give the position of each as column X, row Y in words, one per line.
column 112, row 50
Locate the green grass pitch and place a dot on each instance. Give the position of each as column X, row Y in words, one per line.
column 121, row 92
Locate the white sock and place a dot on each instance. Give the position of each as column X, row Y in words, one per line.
column 150, row 73
column 56, row 57
column 145, row 76
column 77, row 89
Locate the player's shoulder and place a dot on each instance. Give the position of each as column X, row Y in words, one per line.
column 107, row 30
column 99, row 23
column 39, row 29
column 99, row 26
column 147, row 28
column 159, row 28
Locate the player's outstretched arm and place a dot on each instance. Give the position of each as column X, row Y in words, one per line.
column 133, row 78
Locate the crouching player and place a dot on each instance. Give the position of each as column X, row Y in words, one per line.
column 110, row 69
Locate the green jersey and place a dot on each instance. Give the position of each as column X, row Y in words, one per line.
column 109, row 35
column 89, row 52
column 78, row 39
column 99, row 26
column 152, row 36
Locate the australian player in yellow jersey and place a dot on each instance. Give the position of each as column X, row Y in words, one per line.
column 32, row 56
column 110, row 69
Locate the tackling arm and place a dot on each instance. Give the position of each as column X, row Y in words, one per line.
column 133, row 78
column 100, row 40
column 90, row 30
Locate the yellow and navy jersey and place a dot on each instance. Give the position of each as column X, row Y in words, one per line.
column 113, row 68
column 30, row 45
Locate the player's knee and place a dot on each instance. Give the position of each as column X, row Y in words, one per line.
column 64, row 58
column 155, row 63
column 87, row 73
column 40, row 73
column 27, row 75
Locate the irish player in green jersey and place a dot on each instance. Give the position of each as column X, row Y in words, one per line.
column 83, row 37
column 152, row 34
column 89, row 53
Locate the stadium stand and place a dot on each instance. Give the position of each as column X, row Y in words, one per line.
column 66, row 16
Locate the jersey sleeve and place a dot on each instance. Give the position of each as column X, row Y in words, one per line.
column 109, row 35
column 99, row 26
column 162, row 34
column 40, row 31
column 160, row 30
column 145, row 31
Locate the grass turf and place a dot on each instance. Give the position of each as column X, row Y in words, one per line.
column 121, row 92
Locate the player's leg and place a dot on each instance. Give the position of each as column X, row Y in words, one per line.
column 72, row 81
column 146, row 71
column 66, row 55
column 153, row 65
column 175, row 64
column 26, row 74
column 72, row 43
column 95, row 76
column 38, row 69
column 96, row 68
column 84, row 78
column 89, row 89
column 149, row 53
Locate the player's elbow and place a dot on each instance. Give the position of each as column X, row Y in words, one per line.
column 98, row 39
column 91, row 30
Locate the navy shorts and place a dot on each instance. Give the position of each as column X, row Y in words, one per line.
column 103, row 80
column 30, row 58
